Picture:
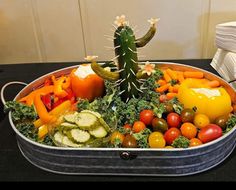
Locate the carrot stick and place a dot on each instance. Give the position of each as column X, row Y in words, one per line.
column 193, row 74
column 176, row 88
column 166, row 76
column 214, row 83
column 163, row 88
column 171, row 89
column 171, row 95
column 161, row 82
column 172, row 74
column 180, row 77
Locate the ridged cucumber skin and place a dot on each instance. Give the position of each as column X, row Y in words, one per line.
column 98, row 132
column 82, row 118
column 84, row 136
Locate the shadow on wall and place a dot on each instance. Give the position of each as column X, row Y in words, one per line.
column 161, row 48
column 208, row 47
column 3, row 26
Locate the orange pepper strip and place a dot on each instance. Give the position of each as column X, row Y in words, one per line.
column 63, row 107
column 41, row 109
column 67, row 83
column 58, row 90
column 29, row 99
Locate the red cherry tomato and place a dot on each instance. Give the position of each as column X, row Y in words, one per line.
column 138, row 126
column 209, row 133
column 173, row 120
column 127, row 126
column 146, row 116
column 171, row 134
column 163, row 98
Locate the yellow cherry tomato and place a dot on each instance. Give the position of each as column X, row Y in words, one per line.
column 201, row 120
column 156, row 140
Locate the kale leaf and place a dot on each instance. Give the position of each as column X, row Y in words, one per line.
column 20, row 111
column 181, row 142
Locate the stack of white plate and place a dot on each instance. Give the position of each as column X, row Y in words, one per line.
column 224, row 61
column 226, row 36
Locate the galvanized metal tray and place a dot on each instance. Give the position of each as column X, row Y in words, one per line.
column 126, row 161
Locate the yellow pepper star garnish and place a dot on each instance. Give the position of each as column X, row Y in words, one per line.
column 153, row 21
column 148, row 68
column 91, row 58
column 120, row 21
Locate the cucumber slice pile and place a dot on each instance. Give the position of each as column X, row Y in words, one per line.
column 80, row 129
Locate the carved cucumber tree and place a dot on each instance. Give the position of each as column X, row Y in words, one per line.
column 125, row 45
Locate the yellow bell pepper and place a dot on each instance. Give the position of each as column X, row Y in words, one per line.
column 213, row 102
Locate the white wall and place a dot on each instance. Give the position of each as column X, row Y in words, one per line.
column 68, row 30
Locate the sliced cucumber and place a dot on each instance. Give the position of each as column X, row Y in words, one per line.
column 79, row 135
column 58, row 137
column 67, row 125
column 67, row 142
column 98, row 132
column 98, row 115
column 86, row 121
column 100, row 119
column 71, row 117
column 104, row 124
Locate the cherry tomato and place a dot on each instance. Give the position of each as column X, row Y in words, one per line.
column 168, row 107
column 201, row 120
column 169, row 147
column 116, row 135
column 129, row 142
column 159, row 124
column 163, row 98
column 156, row 140
column 209, row 133
column 171, row 134
column 138, row 126
column 127, row 126
column 146, row 116
column 187, row 115
column 188, row 130
column 173, row 120
column 221, row 121
column 195, row 142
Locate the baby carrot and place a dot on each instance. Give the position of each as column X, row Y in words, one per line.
column 171, row 89
column 171, row 95
column 214, row 83
column 180, row 77
column 193, row 74
column 176, row 88
column 166, row 76
column 163, row 88
column 172, row 74
column 161, row 82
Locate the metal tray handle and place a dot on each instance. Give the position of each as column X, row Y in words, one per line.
column 8, row 84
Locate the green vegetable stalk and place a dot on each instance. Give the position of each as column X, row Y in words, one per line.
column 126, row 45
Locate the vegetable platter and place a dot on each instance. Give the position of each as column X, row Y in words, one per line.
column 125, row 118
